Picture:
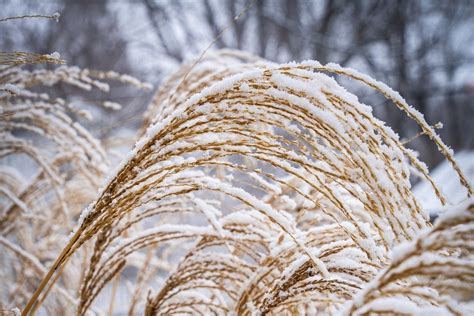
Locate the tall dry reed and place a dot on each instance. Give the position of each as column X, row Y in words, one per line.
column 259, row 188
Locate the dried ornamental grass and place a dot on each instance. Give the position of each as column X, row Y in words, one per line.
column 189, row 80
column 268, row 189
column 65, row 164
column 432, row 274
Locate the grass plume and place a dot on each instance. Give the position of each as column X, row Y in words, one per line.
column 260, row 188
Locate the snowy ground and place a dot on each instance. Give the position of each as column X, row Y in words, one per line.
column 448, row 181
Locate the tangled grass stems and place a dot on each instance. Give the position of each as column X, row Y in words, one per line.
column 283, row 191
column 67, row 165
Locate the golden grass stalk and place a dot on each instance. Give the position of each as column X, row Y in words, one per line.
column 39, row 208
column 277, row 188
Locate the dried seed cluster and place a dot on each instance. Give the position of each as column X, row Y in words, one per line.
column 259, row 188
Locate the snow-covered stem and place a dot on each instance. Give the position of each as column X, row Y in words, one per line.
column 259, row 188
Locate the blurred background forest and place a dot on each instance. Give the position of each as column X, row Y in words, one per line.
column 423, row 49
